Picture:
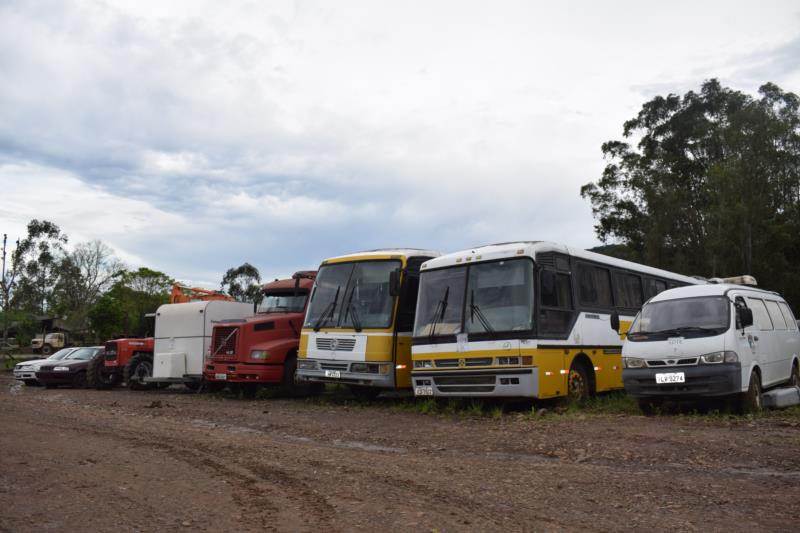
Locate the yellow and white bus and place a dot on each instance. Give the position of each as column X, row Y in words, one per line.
column 357, row 330
column 526, row 319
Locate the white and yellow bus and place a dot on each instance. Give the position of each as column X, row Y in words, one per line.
column 526, row 319
column 357, row 330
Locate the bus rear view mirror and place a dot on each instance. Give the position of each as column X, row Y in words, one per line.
column 745, row 317
column 615, row 321
column 394, row 282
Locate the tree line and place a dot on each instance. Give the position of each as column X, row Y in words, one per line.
column 707, row 183
column 87, row 288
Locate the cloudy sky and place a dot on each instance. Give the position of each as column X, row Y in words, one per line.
column 192, row 136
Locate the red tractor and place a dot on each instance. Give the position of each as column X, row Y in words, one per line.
column 109, row 368
column 262, row 350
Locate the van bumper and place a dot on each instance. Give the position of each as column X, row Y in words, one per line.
column 701, row 381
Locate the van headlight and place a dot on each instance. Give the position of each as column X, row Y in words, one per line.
column 633, row 362
column 715, row 358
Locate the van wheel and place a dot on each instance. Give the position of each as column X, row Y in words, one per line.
column 794, row 380
column 579, row 387
column 750, row 401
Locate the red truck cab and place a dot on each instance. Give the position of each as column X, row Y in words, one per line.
column 262, row 349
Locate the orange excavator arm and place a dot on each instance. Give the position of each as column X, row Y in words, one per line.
column 181, row 294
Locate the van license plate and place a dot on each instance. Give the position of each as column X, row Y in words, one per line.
column 423, row 391
column 221, row 377
column 333, row 374
column 672, row 377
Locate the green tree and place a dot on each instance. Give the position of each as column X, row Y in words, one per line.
column 712, row 187
column 243, row 283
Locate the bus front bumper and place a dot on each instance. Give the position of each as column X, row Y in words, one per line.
column 501, row 383
column 699, row 381
column 340, row 372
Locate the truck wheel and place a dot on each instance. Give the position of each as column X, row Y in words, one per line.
column 47, row 349
column 213, row 386
column 579, row 386
column 289, row 384
column 750, row 401
column 139, row 367
column 96, row 378
column 365, row 393
column 79, row 380
column 247, row 391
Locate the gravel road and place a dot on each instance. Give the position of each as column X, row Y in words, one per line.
column 172, row 460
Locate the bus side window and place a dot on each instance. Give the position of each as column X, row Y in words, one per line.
column 555, row 310
column 652, row 287
column 595, row 286
column 627, row 290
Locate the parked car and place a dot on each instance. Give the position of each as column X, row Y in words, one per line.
column 716, row 340
column 26, row 370
column 69, row 371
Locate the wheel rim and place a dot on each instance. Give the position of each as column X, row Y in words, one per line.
column 143, row 370
column 576, row 385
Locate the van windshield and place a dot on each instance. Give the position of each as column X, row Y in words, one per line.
column 686, row 317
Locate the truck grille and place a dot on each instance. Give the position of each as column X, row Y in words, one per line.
column 223, row 345
column 111, row 351
column 465, row 383
column 333, row 344
column 333, row 366
column 468, row 361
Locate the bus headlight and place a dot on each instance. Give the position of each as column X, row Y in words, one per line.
column 715, row 358
column 259, row 354
column 423, row 364
column 633, row 362
column 500, row 361
column 306, row 364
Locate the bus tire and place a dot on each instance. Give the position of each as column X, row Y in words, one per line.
column 579, row 384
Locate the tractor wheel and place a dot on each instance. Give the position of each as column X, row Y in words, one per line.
column 579, row 385
column 96, row 378
column 362, row 392
column 79, row 380
column 750, row 401
column 138, row 368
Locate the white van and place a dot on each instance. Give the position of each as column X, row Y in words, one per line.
column 710, row 341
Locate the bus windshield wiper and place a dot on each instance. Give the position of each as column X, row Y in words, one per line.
column 350, row 309
column 328, row 312
column 475, row 310
column 438, row 314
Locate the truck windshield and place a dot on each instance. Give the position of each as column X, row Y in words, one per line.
column 686, row 317
column 285, row 302
column 479, row 298
column 352, row 295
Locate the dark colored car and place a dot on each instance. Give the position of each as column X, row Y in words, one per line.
column 69, row 371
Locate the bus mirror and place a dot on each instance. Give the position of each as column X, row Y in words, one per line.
column 745, row 317
column 615, row 321
column 394, row 282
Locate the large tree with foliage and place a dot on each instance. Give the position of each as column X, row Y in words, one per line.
column 243, row 283
column 711, row 185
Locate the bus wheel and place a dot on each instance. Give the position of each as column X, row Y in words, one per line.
column 579, row 387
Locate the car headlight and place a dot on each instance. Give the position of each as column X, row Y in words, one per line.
column 714, row 358
column 306, row 364
column 633, row 362
column 61, row 369
column 423, row 364
column 259, row 354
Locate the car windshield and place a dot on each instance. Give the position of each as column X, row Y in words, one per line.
column 83, row 354
column 686, row 316
column 478, row 298
column 61, row 354
column 283, row 302
column 352, row 295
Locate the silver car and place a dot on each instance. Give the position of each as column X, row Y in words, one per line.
column 26, row 370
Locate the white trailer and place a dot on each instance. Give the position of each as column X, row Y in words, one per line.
column 183, row 335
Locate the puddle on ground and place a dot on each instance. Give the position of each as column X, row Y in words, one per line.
column 761, row 472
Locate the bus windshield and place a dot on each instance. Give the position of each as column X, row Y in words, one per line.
column 352, row 295
column 479, row 298
column 285, row 302
column 685, row 317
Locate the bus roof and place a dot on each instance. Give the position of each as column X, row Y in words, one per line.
column 383, row 253
column 493, row 252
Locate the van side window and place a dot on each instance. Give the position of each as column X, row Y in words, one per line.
column 653, row 287
column 760, row 315
column 775, row 314
column 555, row 313
column 788, row 316
column 595, row 286
column 627, row 290
column 738, row 303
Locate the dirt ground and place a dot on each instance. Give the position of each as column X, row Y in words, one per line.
column 172, row 460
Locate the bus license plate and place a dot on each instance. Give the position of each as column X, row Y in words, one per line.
column 672, row 377
column 221, row 377
column 333, row 374
column 423, row 391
